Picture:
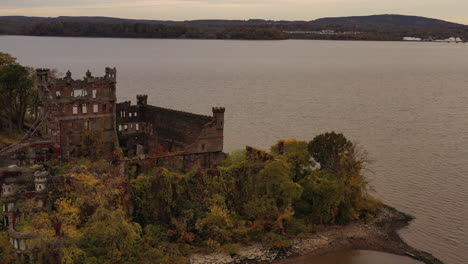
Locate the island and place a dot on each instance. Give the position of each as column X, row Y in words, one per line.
column 87, row 179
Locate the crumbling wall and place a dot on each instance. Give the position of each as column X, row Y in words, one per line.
column 167, row 130
column 179, row 162
column 74, row 106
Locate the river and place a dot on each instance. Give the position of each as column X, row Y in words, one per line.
column 405, row 103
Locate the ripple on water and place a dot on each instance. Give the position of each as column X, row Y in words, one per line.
column 353, row 257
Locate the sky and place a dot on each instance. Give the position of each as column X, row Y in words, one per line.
column 451, row 10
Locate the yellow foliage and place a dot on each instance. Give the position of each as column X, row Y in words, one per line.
column 67, row 212
column 84, row 178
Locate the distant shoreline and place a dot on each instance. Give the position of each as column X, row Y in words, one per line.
column 362, row 28
column 260, row 40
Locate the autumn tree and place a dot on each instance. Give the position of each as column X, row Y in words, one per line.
column 7, row 252
column 110, row 237
column 296, row 154
column 16, row 93
column 6, row 59
column 327, row 149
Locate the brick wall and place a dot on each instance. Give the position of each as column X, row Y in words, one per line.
column 167, row 130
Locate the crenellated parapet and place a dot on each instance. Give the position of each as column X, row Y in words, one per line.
column 164, row 130
column 142, row 99
column 218, row 110
column 71, row 106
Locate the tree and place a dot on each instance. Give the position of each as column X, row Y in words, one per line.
column 110, row 237
column 6, row 59
column 327, row 149
column 296, row 155
column 7, row 252
column 320, row 201
column 16, row 93
column 272, row 194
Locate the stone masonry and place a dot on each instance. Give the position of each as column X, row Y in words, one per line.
column 73, row 106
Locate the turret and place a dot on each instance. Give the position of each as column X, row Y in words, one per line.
column 218, row 115
column 40, row 180
column 111, row 73
column 43, row 75
column 142, row 99
column 8, row 190
column 40, row 183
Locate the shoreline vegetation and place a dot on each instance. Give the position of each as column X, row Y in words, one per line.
column 375, row 28
column 379, row 234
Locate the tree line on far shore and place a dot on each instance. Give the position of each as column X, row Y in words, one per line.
column 385, row 28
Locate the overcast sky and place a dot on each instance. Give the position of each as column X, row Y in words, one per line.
column 452, row 10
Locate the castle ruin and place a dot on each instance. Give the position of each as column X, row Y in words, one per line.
column 72, row 108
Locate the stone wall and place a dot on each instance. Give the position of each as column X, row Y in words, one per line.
column 168, row 131
column 179, row 162
column 19, row 184
column 74, row 106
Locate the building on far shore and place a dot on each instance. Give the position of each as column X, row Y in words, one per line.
column 412, row 39
column 449, row 40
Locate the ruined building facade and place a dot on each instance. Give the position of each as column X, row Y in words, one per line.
column 72, row 107
column 74, row 111
column 157, row 131
column 69, row 111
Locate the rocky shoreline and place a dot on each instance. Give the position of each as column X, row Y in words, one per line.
column 379, row 234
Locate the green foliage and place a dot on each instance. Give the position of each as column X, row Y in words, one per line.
column 110, row 238
column 8, row 138
column 98, row 216
column 217, row 224
column 6, row 59
column 235, row 157
column 17, row 93
column 92, row 144
column 323, row 193
column 7, row 252
column 296, row 154
column 274, row 240
column 327, row 149
column 24, row 225
column 232, row 249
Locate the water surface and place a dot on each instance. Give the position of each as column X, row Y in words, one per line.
column 353, row 257
column 406, row 103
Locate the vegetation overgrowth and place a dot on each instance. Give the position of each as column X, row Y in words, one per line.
column 97, row 215
column 19, row 97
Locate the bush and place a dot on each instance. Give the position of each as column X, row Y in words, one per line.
column 274, row 240
column 232, row 249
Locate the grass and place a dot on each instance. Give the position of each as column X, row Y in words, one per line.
column 24, row 225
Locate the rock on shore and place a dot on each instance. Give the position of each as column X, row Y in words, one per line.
column 380, row 234
column 250, row 254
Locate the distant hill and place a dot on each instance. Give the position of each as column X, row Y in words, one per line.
column 387, row 21
column 375, row 27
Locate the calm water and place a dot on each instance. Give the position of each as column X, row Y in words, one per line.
column 353, row 257
column 406, row 103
